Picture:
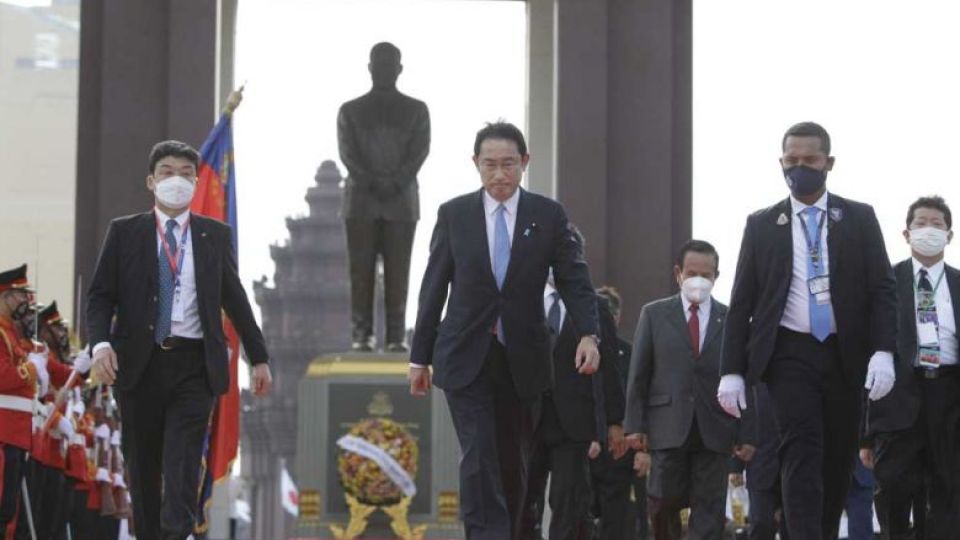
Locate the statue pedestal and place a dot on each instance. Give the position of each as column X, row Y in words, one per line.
column 340, row 390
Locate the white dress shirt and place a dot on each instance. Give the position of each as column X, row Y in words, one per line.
column 946, row 323
column 703, row 315
column 796, row 314
column 548, row 291
column 189, row 326
column 490, row 206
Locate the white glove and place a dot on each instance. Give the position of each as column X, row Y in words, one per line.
column 65, row 428
column 118, row 480
column 115, row 438
column 880, row 375
column 732, row 394
column 39, row 361
column 102, row 432
column 82, row 362
column 102, row 475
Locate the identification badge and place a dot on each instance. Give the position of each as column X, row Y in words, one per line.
column 176, row 315
column 927, row 334
column 819, row 284
column 930, row 357
column 927, row 316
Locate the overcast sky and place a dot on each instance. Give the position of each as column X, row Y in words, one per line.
column 880, row 75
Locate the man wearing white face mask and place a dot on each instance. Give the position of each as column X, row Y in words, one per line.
column 166, row 274
column 671, row 408
column 913, row 435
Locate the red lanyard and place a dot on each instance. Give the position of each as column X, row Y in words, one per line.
column 174, row 259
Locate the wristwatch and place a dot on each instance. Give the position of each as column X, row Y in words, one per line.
column 595, row 338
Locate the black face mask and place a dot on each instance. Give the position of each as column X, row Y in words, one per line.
column 803, row 180
column 21, row 310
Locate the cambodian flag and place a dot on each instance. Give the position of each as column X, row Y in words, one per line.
column 216, row 197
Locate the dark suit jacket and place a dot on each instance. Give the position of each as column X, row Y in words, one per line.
column 763, row 470
column 667, row 385
column 125, row 284
column 862, row 288
column 587, row 404
column 460, row 262
column 384, row 138
column 898, row 409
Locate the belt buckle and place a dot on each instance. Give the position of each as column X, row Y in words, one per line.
column 164, row 346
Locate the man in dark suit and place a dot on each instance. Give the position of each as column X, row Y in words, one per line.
column 491, row 251
column 613, row 477
column 576, row 412
column 914, row 433
column 671, row 409
column 165, row 275
column 763, row 471
column 384, row 138
column 813, row 313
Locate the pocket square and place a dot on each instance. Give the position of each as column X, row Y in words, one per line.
column 782, row 220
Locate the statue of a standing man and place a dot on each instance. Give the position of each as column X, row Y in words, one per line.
column 384, row 138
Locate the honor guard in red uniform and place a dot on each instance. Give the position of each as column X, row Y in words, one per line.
column 18, row 387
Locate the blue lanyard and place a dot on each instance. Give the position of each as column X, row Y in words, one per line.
column 814, row 250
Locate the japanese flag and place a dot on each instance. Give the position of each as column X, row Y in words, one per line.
column 289, row 495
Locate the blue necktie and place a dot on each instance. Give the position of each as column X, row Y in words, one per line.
column 819, row 313
column 501, row 257
column 166, row 286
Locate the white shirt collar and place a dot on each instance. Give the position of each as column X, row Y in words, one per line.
column 548, row 290
column 933, row 271
column 181, row 219
column 490, row 204
column 703, row 308
column 800, row 206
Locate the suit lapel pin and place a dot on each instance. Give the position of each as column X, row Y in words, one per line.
column 836, row 214
column 782, row 220
column 526, row 232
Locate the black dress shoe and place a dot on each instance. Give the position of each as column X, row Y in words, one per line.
column 396, row 348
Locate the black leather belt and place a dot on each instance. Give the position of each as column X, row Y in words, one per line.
column 936, row 373
column 177, row 343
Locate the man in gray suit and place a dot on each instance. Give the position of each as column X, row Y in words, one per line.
column 384, row 138
column 672, row 411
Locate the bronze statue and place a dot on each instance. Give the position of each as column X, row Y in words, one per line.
column 384, row 138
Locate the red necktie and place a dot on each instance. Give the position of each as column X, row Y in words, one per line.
column 693, row 325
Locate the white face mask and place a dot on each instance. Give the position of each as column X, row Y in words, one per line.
column 174, row 192
column 928, row 241
column 696, row 289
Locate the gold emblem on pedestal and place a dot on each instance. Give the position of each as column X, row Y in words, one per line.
column 360, row 515
column 380, row 405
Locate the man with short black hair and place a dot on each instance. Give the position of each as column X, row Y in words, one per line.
column 490, row 254
column 913, row 435
column 154, row 308
column 813, row 314
column 671, row 409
